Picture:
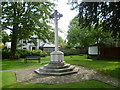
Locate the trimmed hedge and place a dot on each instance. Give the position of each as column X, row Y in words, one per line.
column 74, row 51
column 68, row 52
column 22, row 53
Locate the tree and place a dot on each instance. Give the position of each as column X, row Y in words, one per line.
column 61, row 41
column 4, row 37
column 25, row 19
column 78, row 35
column 91, row 13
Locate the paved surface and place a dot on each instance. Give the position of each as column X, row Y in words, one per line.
column 28, row 75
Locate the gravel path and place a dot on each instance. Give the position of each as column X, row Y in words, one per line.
column 28, row 75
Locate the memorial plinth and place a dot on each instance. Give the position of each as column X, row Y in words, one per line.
column 57, row 66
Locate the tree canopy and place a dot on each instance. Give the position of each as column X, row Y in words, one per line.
column 91, row 13
column 77, row 35
column 25, row 19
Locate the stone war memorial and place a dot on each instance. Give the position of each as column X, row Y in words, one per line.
column 31, row 66
column 57, row 65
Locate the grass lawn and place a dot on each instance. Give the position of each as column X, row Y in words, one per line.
column 108, row 67
column 104, row 66
column 9, row 81
column 19, row 64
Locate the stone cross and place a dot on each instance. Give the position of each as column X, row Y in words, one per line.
column 57, row 66
column 56, row 16
column 56, row 55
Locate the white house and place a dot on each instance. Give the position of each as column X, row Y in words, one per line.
column 28, row 44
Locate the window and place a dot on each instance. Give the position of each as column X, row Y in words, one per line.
column 24, row 41
column 33, row 48
column 41, row 48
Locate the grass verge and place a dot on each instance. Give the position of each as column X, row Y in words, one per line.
column 9, row 81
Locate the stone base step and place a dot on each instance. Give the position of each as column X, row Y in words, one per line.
column 70, row 68
column 52, row 66
column 56, row 69
column 56, row 73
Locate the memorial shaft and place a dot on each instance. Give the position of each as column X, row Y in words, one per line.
column 56, row 31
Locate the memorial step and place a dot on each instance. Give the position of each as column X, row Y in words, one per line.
column 42, row 69
column 49, row 66
column 57, row 73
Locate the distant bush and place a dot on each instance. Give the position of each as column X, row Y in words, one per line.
column 39, row 53
column 73, row 51
column 6, row 53
column 44, row 54
column 68, row 52
column 24, row 52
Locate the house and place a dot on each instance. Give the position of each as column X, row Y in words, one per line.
column 48, row 47
column 33, row 43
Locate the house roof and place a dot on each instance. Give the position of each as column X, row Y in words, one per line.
column 8, row 44
column 49, row 45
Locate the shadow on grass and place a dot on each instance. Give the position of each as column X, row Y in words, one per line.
column 115, row 73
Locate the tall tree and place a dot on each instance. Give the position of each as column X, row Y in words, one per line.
column 90, row 13
column 78, row 35
column 25, row 19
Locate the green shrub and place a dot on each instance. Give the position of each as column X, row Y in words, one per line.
column 24, row 52
column 71, row 52
column 74, row 51
column 44, row 54
column 6, row 53
column 39, row 53
column 17, row 56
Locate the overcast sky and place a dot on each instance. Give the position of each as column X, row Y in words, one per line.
column 68, row 15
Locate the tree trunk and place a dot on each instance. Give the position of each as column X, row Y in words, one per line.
column 14, row 42
column 14, row 33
